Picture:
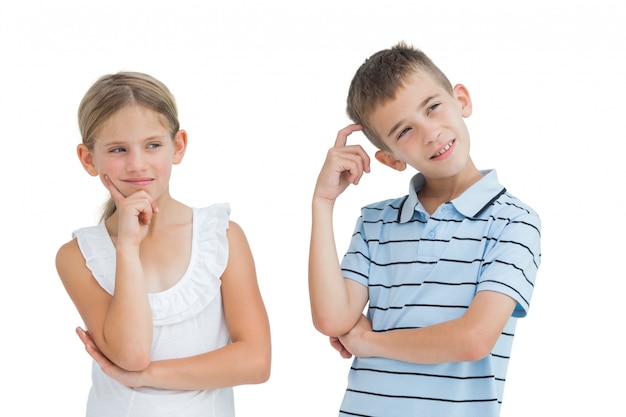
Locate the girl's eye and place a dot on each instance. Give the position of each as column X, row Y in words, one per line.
column 117, row 150
column 153, row 145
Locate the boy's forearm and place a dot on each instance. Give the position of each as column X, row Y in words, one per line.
column 467, row 338
column 330, row 300
column 441, row 343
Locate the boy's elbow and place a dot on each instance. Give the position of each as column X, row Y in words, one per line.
column 474, row 353
column 475, row 346
column 330, row 326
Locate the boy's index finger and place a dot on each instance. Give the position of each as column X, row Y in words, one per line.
column 342, row 136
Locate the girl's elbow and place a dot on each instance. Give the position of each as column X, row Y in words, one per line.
column 262, row 373
column 259, row 367
column 134, row 360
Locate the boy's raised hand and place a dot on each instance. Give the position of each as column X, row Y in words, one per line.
column 134, row 213
column 344, row 165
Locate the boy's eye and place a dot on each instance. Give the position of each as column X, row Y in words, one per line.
column 117, row 150
column 153, row 145
column 433, row 107
column 403, row 132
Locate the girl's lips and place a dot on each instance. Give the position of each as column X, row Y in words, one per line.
column 443, row 151
column 138, row 181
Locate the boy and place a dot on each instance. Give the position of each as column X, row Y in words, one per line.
column 446, row 269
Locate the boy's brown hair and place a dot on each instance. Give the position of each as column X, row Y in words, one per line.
column 378, row 79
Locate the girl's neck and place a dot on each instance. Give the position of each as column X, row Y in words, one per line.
column 170, row 213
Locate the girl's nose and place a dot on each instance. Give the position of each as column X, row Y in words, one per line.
column 135, row 161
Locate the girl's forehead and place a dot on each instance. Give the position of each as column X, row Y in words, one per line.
column 133, row 121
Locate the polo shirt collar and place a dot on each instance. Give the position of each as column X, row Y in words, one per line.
column 471, row 203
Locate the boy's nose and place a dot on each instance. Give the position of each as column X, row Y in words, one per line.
column 431, row 132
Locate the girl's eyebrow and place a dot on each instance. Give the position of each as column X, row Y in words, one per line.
column 113, row 142
column 421, row 106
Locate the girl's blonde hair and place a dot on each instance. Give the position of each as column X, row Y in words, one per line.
column 112, row 92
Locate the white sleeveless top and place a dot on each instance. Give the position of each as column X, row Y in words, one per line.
column 188, row 320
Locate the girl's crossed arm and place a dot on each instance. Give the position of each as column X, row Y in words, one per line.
column 245, row 361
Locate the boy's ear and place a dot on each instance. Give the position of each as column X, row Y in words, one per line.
column 387, row 158
column 86, row 158
column 462, row 95
column 180, row 146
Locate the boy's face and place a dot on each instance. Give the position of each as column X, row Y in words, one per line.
column 423, row 127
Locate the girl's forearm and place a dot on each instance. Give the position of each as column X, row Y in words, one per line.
column 127, row 328
column 235, row 364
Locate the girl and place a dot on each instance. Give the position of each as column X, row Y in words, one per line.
column 168, row 293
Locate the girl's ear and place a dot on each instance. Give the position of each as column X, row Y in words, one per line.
column 86, row 158
column 180, row 146
column 463, row 97
column 387, row 158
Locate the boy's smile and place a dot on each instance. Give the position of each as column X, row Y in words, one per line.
column 445, row 151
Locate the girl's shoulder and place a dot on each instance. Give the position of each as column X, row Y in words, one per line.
column 67, row 253
column 214, row 216
column 72, row 250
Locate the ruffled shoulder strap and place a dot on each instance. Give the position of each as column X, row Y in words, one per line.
column 99, row 253
column 200, row 285
column 197, row 288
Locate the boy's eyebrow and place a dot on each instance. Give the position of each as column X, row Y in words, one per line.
column 421, row 106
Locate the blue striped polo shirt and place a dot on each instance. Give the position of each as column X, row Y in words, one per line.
column 421, row 270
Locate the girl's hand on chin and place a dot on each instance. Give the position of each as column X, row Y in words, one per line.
column 134, row 213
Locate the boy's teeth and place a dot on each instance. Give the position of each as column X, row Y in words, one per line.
column 445, row 148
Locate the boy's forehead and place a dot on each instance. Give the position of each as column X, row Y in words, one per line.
column 415, row 91
column 421, row 79
column 419, row 85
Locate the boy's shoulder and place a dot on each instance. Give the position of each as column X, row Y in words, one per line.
column 511, row 206
column 386, row 210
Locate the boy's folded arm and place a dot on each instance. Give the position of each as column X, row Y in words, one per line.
column 338, row 319
column 336, row 303
column 468, row 338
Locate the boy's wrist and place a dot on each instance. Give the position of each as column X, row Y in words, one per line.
column 320, row 202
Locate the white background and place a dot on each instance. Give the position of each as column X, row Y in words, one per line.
column 261, row 89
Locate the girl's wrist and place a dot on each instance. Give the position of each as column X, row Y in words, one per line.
column 122, row 248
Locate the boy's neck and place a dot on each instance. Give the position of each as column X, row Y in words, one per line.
column 442, row 190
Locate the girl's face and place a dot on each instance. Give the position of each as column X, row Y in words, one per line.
column 134, row 148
